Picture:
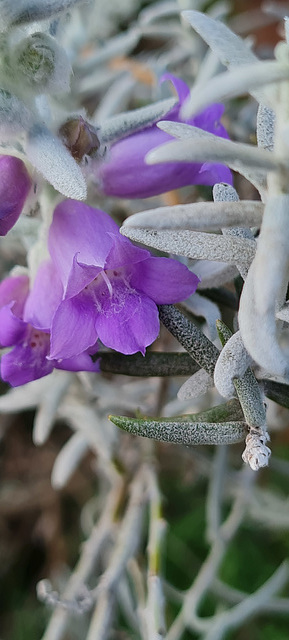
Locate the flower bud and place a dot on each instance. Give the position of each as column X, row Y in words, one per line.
column 41, row 63
column 79, row 137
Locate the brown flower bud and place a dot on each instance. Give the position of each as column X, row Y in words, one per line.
column 79, row 137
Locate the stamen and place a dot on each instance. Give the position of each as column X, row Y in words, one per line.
column 107, row 282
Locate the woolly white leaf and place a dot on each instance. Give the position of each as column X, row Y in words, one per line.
column 283, row 314
column 46, row 414
column 223, row 192
column 236, row 155
column 51, row 158
column 185, row 131
column 195, row 245
column 25, row 11
column 86, row 421
column 115, row 99
column 214, row 274
column 265, row 127
column 226, row 193
column 272, row 257
column 124, row 124
column 259, row 330
column 230, row 48
column 232, row 363
column 15, row 118
column 207, row 309
column 196, row 385
column 25, row 397
column 117, row 46
column 266, row 288
column 157, row 11
column 234, row 83
column 199, row 216
column 68, row 460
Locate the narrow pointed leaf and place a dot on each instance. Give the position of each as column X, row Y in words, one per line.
column 195, row 244
column 153, row 364
column 185, row 433
column 124, row 124
column 190, row 337
column 200, row 216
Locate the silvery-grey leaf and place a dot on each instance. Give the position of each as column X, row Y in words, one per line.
column 265, row 127
column 259, row 330
column 232, row 363
column 230, row 48
column 196, row 385
column 115, row 99
column 194, row 244
column 98, row 81
column 213, row 274
column 86, row 421
column 124, row 124
column 46, row 414
column 25, row 397
column 185, row 131
column 207, row 309
column 116, row 46
column 200, row 216
column 68, row 460
column 283, row 314
column 51, row 158
column 15, row 117
column 202, row 350
column 236, row 155
column 227, row 193
column 157, row 11
column 266, row 289
column 26, row 11
column 231, row 84
column 223, row 192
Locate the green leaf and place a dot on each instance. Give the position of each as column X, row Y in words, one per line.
column 153, row 364
column 183, row 431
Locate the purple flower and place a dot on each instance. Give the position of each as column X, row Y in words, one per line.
column 125, row 174
column 110, row 287
column 28, row 360
column 15, row 185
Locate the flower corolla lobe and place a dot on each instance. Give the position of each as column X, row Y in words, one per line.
column 111, row 287
column 124, row 173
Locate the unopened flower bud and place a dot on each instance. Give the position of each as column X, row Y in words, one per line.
column 41, row 63
column 79, row 137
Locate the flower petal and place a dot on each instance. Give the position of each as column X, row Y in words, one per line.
column 164, row 280
column 22, row 365
column 73, row 327
column 82, row 362
column 78, row 229
column 124, row 253
column 15, row 185
column 44, row 298
column 180, row 86
column 14, row 289
column 128, row 320
column 12, row 328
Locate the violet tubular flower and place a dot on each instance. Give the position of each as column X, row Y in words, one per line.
column 111, row 288
column 124, row 173
column 15, row 185
column 28, row 359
